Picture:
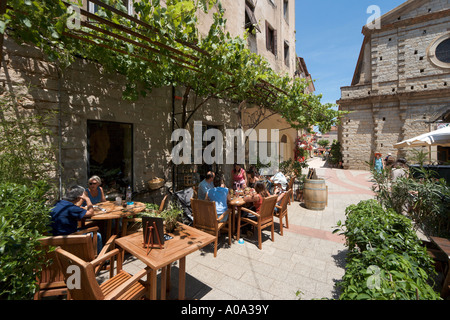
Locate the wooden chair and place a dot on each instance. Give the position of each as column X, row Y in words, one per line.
column 122, row 286
column 51, row 280
column 138, row 221
column 283, row 211
column 206, row 219
column 263, row 219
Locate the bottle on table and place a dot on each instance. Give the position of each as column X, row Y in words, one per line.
column 129, row 195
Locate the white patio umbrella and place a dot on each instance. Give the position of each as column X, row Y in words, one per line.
column 440, row 137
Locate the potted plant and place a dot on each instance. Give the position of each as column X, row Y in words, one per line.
column 171, row 216
column 150, row 215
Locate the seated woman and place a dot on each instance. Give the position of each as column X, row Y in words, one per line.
column 256, row 198
column 239, row 178
column 252, row 177
column 220, row 195
column 94, row 191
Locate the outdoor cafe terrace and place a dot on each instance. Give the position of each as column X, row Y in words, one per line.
column 298, row 257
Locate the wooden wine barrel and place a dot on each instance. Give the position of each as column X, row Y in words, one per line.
column 315, row 194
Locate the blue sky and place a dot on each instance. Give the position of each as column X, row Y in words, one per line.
column 329, row 38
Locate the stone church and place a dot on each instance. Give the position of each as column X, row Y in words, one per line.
column 401, row 84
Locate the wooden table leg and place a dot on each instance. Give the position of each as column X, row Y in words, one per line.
column 116, row 231
column 108, row 228
column 445, row 288
column 169, row 267
column 151, row 279
column 124, row 227
column 239, row 224
column 163, row 282
column 232, row 217
column 182, row 279
column 120, row 257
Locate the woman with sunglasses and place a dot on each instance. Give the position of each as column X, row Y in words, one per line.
column 94, row 191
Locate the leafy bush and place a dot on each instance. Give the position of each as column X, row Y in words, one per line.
column 24, row 218
column 323, row 143
column 386, row 259
column 335, row 152
column 423, row 197
column 26, row 151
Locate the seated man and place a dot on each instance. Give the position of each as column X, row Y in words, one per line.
column 205, row 185
column 280, row 191
column 220, row 195
column 279, row 179
column 68, row 211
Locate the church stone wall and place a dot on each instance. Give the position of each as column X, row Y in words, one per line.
column 404, row 90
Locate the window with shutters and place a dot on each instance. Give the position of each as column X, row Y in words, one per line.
column 251, row 24
column 93, row 8
column 271, row 39
column 129, row 5
column 286, row 53
column 286, row 10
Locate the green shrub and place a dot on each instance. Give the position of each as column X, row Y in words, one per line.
column 423, row 197
column 24, row 218
column 386, row 259
column 335, row 152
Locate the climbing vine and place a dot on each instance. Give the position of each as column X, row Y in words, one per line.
column 162, row 46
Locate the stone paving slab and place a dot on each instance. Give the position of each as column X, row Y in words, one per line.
column 308, row 259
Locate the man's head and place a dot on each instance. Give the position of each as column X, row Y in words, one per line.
column 218, row 181
column 73, row 193
column 210, row 176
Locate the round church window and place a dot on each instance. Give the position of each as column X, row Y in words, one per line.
column 443, row 51
column 439, row 51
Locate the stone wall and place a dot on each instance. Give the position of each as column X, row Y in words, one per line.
column 402, row 90
column 84, row 91
column 265, row 10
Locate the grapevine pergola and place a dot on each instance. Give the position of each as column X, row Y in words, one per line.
column 160, row 46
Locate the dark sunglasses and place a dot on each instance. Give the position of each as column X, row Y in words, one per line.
column 90, row 183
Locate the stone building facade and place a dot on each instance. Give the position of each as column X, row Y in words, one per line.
column 401, row 82
column 96, row 131
column 272, row 35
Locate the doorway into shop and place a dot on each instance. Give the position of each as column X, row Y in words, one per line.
column 110, row 156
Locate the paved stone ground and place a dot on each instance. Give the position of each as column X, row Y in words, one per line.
column 304, row 264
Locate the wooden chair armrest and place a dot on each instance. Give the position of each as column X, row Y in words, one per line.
column 250, row 211
column 83, row 231
column 89, row 223
column 126, row 285
column 109, row 245
column 106, row 256
column 223, row 215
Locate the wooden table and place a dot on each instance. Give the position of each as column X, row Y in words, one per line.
column 185, row 241
column 236, row 203
column 444, row 245
column 114, row 212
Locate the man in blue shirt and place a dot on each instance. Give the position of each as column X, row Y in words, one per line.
column 205, row 185
column 68, row 211
column 220, row 195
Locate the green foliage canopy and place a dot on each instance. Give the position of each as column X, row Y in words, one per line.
column 161, row 46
